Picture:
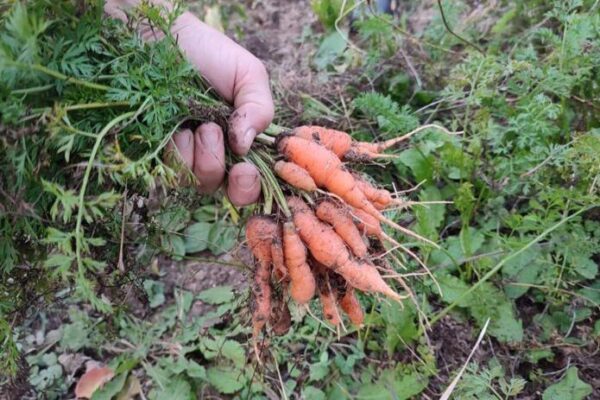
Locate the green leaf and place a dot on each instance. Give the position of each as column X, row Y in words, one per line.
column 570, row 387
column 174, row 219
column 452, row 289
column 75, row 336
column 174, row 245
column 313, row 393
column 155, row 291
column 216, row 295
column 177, row 389
column 195, row 370
column 319, row 371
column 226, row 380
column 222, row 237
column 330, row 49
column 420, row 165
column 585, row 267
column 235, row 352
column 196, row 237
column 430, row 216
column 110, row 389
column 205, row 213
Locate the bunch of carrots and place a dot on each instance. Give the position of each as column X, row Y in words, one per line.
column 318, row 244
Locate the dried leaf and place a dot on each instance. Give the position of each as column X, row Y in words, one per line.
column 93, row 379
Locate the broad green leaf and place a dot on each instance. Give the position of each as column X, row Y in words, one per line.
column 318, row 371
column 195, row 370
column 585, row 267
column 75, row 336
column 570, row 387
column 429, row 216
column 205, row 213
column 173, row 219
column 313, row 393
column 155, row 291
column 420, row 165
column 216, row 295
column 110, row 389
column 177, row 389
column 221, row 238
column 195, row 237
column 226, row 380
column 452, row 288
column 330, row 49
column 235, row 352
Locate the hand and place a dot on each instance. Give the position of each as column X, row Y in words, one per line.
column 241, row 79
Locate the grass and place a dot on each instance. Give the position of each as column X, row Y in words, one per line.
column 90, row 213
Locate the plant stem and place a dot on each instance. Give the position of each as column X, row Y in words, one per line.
column 58, row 75
column 86, row 177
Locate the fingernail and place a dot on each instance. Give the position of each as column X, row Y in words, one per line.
column 210, row 138
column 249, row 136
column 246, row 182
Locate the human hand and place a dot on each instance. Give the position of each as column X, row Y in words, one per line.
column 241, row 79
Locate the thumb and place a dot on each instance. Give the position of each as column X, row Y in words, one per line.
column 253, row 104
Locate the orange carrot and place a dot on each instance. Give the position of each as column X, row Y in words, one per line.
column 337, row 141
column 352, row 307
column 329, row 249
column 277, row 257
column 368, row 224
column 295, row 176
column 380, row 198
column 328, row 297
column 346, row 148
column 343, row 225
column 302, row 281
column 259, row 233
column 327, row 171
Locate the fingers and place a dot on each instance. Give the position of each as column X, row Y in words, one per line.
column 234, row 73
column 243, row 186
column 180, row 153
column 253, row 106
column 209, row 157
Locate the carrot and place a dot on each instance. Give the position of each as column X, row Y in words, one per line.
column 259, row 233
column 352, row 307
column 328, row 297
column 329, row 249
column 326, row 170
column 343, row 225
column 347, row 149
column 380, row 198
column 277, row 257
column 337, row 141
column 295, row 176
column 302, row 281
column 368, row 224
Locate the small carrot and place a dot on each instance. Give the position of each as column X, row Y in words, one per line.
column 337, row 141
column 329, row 249
column 352, row 307
column 328, row 297
column 327, row 171
column 380, row 198
column 302, row 281
column 368, row 224
column 295, row 176
column 259, row 233
column 279, row 268
column 343, row 225
column 347, row 149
